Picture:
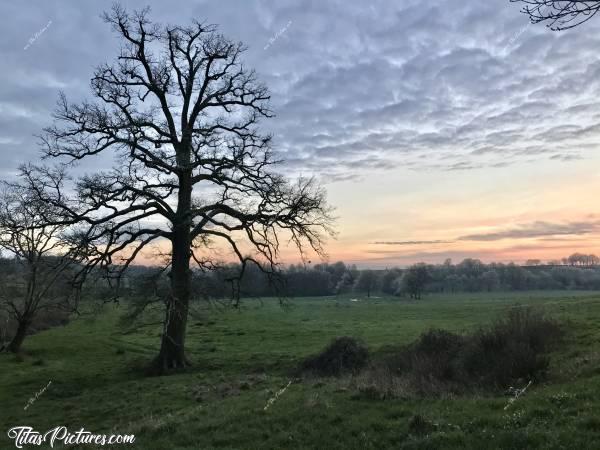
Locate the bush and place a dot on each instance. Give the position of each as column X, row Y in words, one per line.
column 43, row 320
column 435, row 353
column 514, row 348
column 342, row 356
column 430, row 360
column 511, row 350
column 430, row 365
column 49, row 318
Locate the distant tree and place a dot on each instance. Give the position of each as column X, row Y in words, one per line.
column 574, row 259
column 470, row 271
column 179, row 111
column 414, row 280
column 255, row 282
column 514, row 277
column 533, row 262
column 471, row 267
column 491, row 280
column 580, row 259
column 560, row 14
column 336, row 270
column 308, row 282
column 45, row 257
column 388, row 281
column 346, row 282
column 454, row 282
column 366, row 282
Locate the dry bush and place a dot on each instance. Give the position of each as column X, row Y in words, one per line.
column 428, row 366
column 514, row 348
column 511, row 350
column 380, row 382
column 433, row 355
column 344, row 355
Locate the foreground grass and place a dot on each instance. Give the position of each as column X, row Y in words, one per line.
column 241, row 358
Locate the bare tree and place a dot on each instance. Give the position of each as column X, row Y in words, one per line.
column 45, row 255
column 558, row 14
column 179, row 112
column 533, row 262
column 414, row 280
column 366, row 282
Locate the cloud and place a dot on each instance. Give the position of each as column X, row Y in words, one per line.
column 537, row 230
column 464, row 106
column 411, row 242
column 357, row 87
column 540, row 230
column 515, row 253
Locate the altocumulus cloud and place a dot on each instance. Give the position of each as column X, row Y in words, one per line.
column 357, row 86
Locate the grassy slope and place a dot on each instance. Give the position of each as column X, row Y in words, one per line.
column 242, row 358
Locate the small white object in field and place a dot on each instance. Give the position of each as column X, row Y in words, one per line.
column 353, row 299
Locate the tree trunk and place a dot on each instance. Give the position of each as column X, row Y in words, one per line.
column 172, row 349
column 19, row 337
column 24, row 321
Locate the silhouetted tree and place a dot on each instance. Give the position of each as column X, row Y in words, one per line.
column 533, row 262
column 346, row 282
column 43, row 256
column 388, row 285
column 490, row 280
column 580, row 259
column 179, row 111
column 560, row 14
column 335, row 271
column 366, row 282
column 414, row 280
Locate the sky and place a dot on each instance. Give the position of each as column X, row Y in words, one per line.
column 440, row 129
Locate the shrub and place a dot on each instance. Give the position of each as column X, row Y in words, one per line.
column 434, row 354
column 432, row 360
column 378, row 383
column 49, row 318
column 511, row 350
column 43, row 320
column 343, row 355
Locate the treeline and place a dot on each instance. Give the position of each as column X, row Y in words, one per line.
column 576, row 259
column 470, row 275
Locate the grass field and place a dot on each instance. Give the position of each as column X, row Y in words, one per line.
column 242, row 358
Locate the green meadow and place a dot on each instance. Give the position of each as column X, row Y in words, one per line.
column 93, row 372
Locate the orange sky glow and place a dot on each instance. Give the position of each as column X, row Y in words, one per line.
column 545, row 212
